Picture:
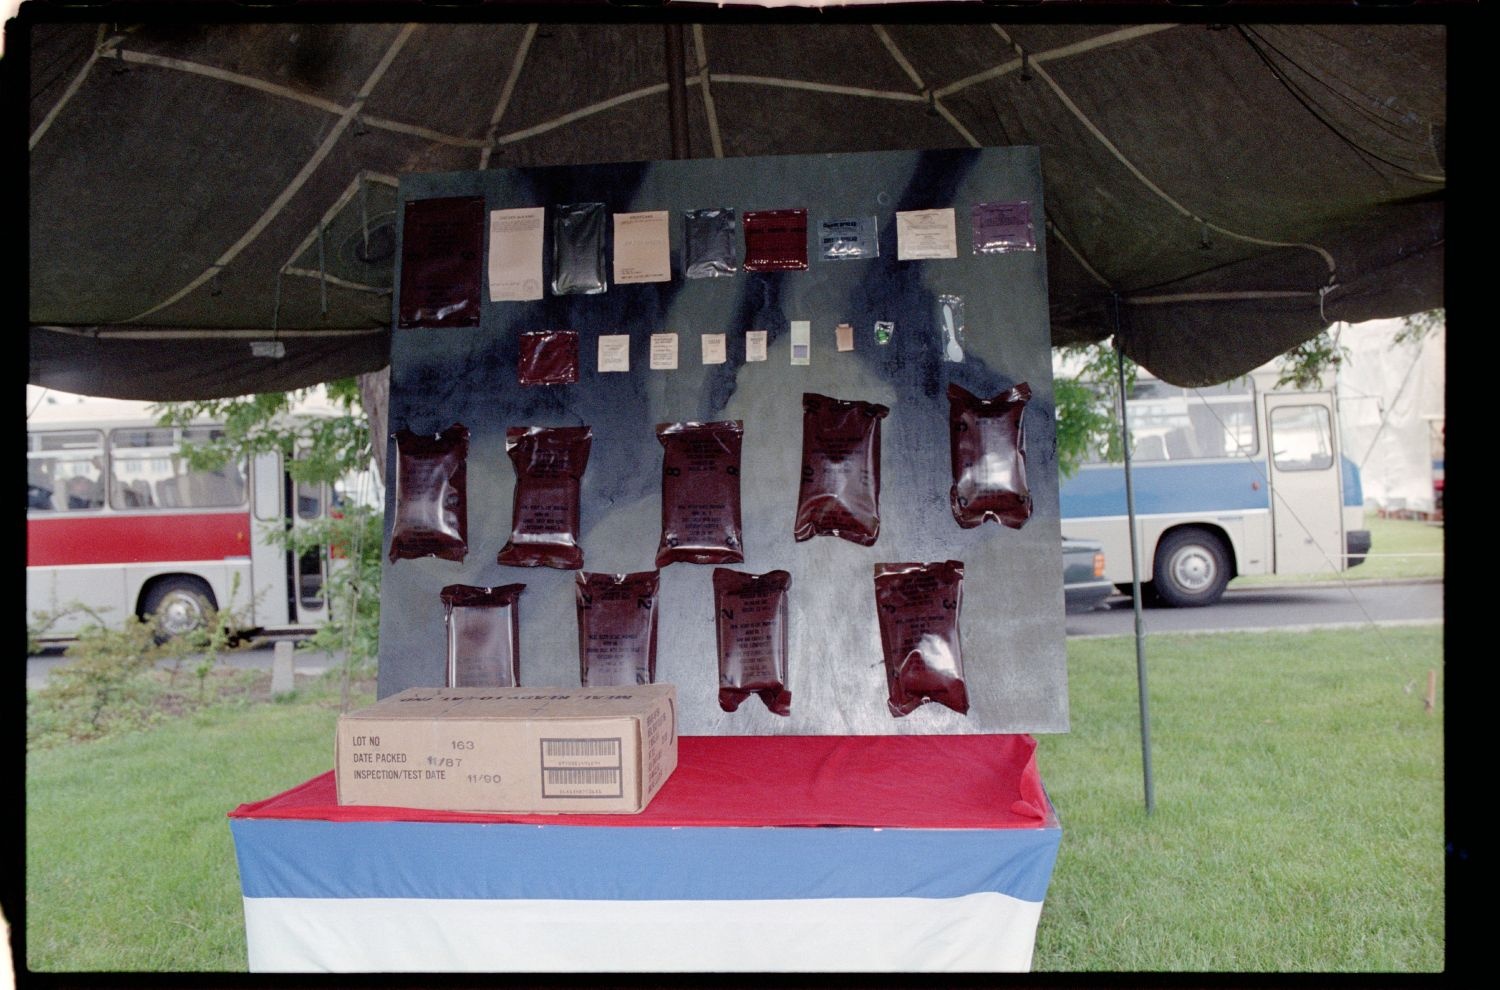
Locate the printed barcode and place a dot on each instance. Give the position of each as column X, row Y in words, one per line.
column 585, row 776
column 580, row 747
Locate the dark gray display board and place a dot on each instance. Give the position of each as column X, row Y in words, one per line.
column 1012, row 614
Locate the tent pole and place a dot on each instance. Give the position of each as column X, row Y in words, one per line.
column 677, row 92
column 1135, row 572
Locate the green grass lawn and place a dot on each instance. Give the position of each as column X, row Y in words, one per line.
column 1298, row 822
column 1399, row 549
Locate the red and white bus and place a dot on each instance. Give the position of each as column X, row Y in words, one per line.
column 117, row 522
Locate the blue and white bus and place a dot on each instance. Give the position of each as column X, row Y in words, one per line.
column 1229, row 480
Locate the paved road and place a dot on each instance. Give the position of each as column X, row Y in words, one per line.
column 1285, row 606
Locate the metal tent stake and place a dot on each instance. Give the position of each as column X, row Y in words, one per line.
column 1135, row 574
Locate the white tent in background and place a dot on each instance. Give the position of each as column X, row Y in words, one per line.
column 1391, row 398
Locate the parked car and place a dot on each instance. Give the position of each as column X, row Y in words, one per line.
column 1084, row 585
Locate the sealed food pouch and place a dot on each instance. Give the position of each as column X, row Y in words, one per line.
column 987, row 441
column 617, row 628
column 918, row 607
column 484, row 635
column 840, row 490
column 700, row 493
column 750, row 615
column 548, row 357
column 431, row 511
column 549, row 463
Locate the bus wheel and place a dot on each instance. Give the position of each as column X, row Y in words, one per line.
column 1192, row 568
column 180, row 605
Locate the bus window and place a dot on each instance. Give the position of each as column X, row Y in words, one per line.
column 309, row 499
column 146, row 471
column 1168, row 423
column 64, row 470
column 1301, row 438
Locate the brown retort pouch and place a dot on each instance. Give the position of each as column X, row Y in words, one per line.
column 549, row 463
column 617, row 628
column 700, row 493
column 549, row 357
column 484, row 635
column 918, row 607
column 840, row 490
column 987, row 441
column 431, row 511
column 750, row 617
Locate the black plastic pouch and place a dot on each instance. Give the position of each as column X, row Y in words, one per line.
column 578, row 249
column 710, row 243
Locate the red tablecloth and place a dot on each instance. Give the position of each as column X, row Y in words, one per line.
column 952, row 781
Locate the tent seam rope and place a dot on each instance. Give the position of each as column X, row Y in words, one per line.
column 73, row 88
column 701, row 45
column 1099, row 135
column 523, row 49
column 299, row 180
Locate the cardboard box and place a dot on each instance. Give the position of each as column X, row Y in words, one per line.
column 547, row 750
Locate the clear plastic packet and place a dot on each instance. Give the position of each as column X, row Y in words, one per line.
column 549, row 462
column 951, row 326
column 750, row 618
column 484, row 635
column 1000, row 228
column 617, row 628
column 700, row 493
column 578, row 249
column 775, row 240
column 848, row 239
column 918, row 606
column 710, row 243
column 549, row 357
column 987, row 444
column 840, row 490
column 442, row 260
column 431, row 512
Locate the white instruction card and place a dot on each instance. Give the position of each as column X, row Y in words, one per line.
column 614, row 352
column 755, row 345
column 715, row 349
column 515, row 264
column 643, row 250
column 925, row 234
column 663, row 351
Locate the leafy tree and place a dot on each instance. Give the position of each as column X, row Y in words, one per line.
column 1305, row 365
column 327, row 449
column 1419, row 326
column 1088, row 406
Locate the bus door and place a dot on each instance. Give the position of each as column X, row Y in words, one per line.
column 1307, row 511
column 288, row 586
column 309, row 568
column 269, row 569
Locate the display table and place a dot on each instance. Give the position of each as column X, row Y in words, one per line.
column 760, row 854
